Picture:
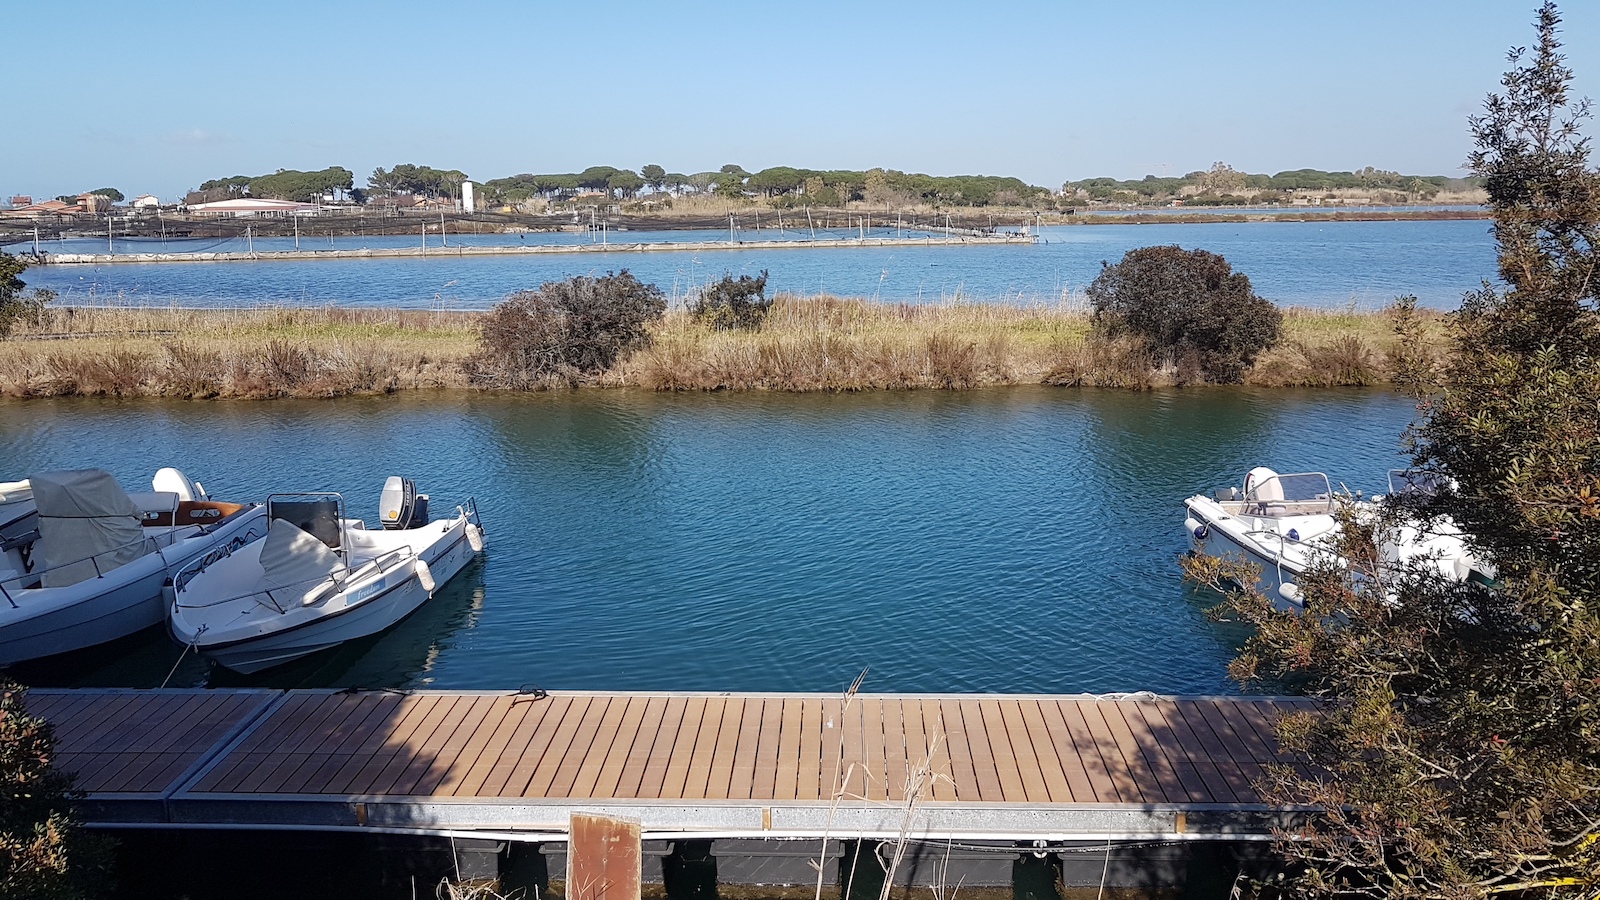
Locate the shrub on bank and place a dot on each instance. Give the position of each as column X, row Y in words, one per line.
column 1188, row 305
column 564, row 332
column 16, row 307
column 733, row 303
column 43, row 854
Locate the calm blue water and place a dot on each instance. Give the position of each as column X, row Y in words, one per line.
column 1325, row 264
column 1010, row 540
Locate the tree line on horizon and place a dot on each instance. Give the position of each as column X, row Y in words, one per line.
column 791, row 187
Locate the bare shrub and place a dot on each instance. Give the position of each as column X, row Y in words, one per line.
column 952, row 362
column 1346, row 362
column 565, row 331
column 194, row 372
column 116, row 373
column 285, row 366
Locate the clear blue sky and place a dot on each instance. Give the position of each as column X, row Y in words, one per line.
column 156, row 97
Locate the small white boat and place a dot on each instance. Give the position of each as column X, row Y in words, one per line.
column 82, row 561
column 1281, row 523
column 1285, row 524
column 319, row 579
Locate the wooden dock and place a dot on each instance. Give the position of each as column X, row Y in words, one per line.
column 988, row 767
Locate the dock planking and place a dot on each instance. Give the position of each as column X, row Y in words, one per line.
column 732, row 764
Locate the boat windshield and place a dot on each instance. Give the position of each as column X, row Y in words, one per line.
column 1413, row 483
column 1305, row 487
column 1303, row 493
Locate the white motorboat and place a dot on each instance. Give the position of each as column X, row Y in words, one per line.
column 82, row 561
column 1280, row 523
column 1285, row 524
column 319, row 579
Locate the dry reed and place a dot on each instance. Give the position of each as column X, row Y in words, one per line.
column 806, row 344
column 236, row 353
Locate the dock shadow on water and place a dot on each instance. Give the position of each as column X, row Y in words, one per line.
column 1021, row 539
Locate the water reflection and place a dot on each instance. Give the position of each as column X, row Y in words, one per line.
column 1014, row 540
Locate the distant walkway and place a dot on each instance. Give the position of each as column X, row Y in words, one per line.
column 100, row 259
column 996, row 767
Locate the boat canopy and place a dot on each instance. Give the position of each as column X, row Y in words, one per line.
column 87, row 526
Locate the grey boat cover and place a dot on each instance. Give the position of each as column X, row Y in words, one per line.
column 87, row 526
column 294, row 562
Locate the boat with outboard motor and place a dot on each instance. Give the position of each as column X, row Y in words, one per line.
column 83, row 561
column 1286, row 523
column 319, row 578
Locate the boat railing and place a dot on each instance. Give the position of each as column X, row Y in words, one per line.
column 384, row 564
column 1308, row 545
column 186, row 574
column 150, row 543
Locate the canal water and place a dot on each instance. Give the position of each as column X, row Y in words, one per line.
column 1320, row 264
column 1020, row 539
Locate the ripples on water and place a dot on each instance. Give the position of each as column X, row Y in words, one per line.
column 1326, row 264
column 1013, row 540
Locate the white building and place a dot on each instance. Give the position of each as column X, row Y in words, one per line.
column 254, row 206
column 145, row 201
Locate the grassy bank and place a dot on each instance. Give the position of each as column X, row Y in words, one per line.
column 807, row 344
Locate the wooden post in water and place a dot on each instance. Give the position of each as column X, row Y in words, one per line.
column 603, row 858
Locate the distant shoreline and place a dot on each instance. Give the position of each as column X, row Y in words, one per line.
column 18, row 235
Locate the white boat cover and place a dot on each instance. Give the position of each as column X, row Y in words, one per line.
column 294, row 562
column 87, row 526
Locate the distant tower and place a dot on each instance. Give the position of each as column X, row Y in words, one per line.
column 467, row 205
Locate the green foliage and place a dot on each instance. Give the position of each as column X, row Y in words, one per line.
column 1461, row 725
column 597, row 178
column 730, row 183
column 1212, row 189
column 237, row 185
column 624, row 183
column 17, row 307
column 424, row 181
column 733, row 303
column 1187, row 303
column 305, row 187
column 43, row 856
column 565, row 331
column 112, row 194
column 654, row 175
column 284, row 184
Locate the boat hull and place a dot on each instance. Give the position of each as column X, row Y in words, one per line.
column 445, row 559
column 1274, row 572
column 128, row 599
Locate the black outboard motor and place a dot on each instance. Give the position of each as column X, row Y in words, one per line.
column 400, row 506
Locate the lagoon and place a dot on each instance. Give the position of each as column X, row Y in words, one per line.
column 1364, row 265
column 1020, row 539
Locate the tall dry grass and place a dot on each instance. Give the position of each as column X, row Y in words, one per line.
column 806, row 344
column 247, row 353
column 842, row 344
